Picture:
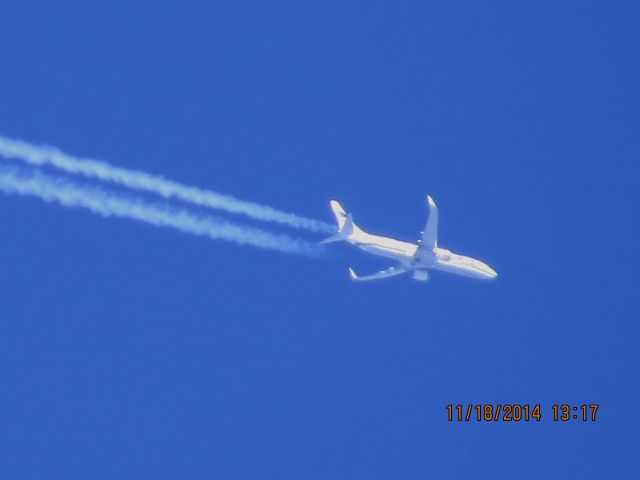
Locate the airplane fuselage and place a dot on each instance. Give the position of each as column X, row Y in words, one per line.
column 385, row 246
column 405, row 253
column 417, row 259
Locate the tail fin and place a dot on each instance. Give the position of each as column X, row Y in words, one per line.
column 338, row 211
column 345, row 223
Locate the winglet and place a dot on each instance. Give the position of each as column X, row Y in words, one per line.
column 430, row 232
column 352, row 274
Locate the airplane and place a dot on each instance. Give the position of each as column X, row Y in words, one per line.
column 416, row 259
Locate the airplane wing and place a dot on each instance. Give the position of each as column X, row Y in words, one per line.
column 389, row 272
column 430, row 233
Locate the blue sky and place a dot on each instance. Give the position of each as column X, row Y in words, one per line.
column 129, row 351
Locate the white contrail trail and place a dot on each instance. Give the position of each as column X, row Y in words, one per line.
column 46, row 155
column 70, row 194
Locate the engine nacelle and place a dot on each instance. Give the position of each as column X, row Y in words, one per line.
column 420, row 275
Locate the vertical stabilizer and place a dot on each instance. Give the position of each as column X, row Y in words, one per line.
column 345, row 223
column 338, row 211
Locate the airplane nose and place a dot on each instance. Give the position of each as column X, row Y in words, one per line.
column 488, row 272
column 491, row 273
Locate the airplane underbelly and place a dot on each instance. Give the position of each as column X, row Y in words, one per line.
column 454, row 266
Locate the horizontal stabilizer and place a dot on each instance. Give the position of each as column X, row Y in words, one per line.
column 333, row 238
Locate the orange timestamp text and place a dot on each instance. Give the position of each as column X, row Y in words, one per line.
column 518, row 412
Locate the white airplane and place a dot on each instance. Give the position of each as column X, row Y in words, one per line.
column 416, row 259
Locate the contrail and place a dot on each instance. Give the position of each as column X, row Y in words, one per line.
column 46, row 155
column 70, row 194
